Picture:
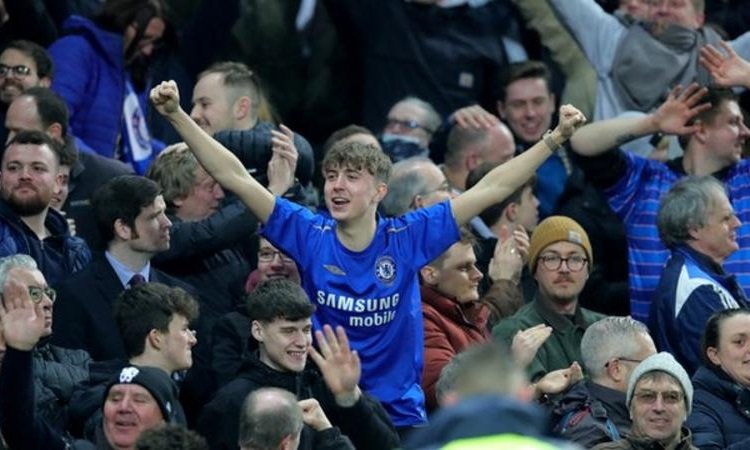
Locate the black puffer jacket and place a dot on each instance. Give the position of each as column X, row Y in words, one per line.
column 57, row 371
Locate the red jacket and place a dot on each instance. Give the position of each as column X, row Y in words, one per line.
column 449, row 328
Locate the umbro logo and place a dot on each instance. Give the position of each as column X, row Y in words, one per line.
column 334, row 269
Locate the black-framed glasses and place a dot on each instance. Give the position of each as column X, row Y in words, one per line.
column 267, row 255
column 575, row 263
column 668, row 397
column 622, row 358
column 20, row 70
column 410, row 124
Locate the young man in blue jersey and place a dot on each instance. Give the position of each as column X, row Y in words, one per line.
column 361, row 270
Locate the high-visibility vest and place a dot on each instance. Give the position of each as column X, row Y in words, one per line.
column 500, row 442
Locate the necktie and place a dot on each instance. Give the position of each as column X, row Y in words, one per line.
column 136, row 280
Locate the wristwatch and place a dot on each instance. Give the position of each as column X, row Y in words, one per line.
column 551, row 144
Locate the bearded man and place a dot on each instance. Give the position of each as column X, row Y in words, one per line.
column 29, row 177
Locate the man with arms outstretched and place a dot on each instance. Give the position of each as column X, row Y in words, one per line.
column 361, row 271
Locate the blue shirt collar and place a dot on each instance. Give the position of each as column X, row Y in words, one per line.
column 123, row 272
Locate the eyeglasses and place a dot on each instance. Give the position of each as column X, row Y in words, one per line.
column 445, row 187
column 668, row 397
column 575, row 263
column 37, row 293
column 268, row 256
column 410, row 124
column 21, row 71
column 620, row 358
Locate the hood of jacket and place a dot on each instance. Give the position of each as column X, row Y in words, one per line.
column 108, row 44
column 482, row 415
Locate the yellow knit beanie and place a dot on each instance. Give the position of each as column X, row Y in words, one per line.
column 555, row 229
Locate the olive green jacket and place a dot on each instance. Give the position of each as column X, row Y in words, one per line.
column 564, row 345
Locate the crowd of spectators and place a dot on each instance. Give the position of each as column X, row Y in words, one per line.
column 374, row 224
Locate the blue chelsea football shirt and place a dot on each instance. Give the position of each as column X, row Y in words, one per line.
column 373, row 294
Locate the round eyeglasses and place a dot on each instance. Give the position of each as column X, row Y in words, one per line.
column 575, row 263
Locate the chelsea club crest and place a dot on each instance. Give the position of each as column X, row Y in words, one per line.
column 385, row 269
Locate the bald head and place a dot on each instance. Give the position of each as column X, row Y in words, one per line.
column 270, row 417
column 415, row 183
column 470, row 147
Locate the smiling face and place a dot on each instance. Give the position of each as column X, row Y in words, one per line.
column 13, row 84
column 283, row 343
column 203, row 199
column 29, row 177
column 658, row 408
column 272, row 264
column 717, row 239
column 733, row 352
column 528, row 108
column 351, row 194
column 212, row 109
column 129, row 409
column 673, row 12
column 725, row 136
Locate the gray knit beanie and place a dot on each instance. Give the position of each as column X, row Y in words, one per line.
column 662, row 362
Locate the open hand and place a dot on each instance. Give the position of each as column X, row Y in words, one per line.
column 526, row 343
column 283, row 161
column 338, row 363
column 23, row 320
column 507, row 260
column 474, row 117
column 727, row 70
column 673, row 116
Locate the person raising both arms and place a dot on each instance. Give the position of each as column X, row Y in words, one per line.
column 359, row 269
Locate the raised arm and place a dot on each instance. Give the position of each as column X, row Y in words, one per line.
column 22, row 327
column 507, row 177
column 671, row 118
column 214, row 157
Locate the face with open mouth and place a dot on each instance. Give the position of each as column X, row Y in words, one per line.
column 129, row 409
column 528, row 108
column 283, row 343
column 350, row 193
